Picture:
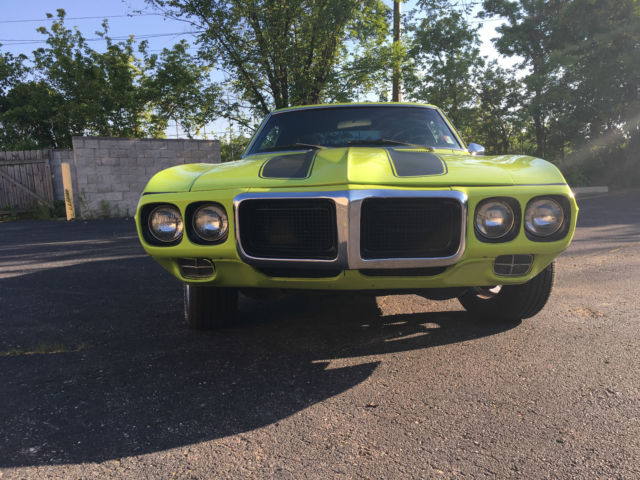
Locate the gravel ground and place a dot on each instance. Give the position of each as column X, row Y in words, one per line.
column 101, row 379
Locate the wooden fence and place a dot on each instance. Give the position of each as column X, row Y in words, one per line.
column 25, row 180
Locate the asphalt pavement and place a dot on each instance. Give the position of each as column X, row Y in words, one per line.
column 100, row 378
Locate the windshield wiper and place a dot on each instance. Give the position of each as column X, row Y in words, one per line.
column 293, row 146
column 389, row 141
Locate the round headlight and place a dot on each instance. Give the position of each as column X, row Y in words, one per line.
column 165, row 223
column 494, row 219
column 210, row 223
column 543, row 217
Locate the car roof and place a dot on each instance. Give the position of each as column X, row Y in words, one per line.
column 360, row 104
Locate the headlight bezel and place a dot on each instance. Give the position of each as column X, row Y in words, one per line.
column 192, row 233
column 514, row 228
column 147, row 230
column 562, row 230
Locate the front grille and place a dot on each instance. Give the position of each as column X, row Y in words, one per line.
column 289, row 228
column 410, row 227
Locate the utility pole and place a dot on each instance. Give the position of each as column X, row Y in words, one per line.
column 230, row 131
column 396, row 95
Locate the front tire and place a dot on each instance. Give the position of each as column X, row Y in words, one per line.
column 207, row 308
column 510, row 302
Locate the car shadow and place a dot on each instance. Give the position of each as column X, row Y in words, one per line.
column 96, row 362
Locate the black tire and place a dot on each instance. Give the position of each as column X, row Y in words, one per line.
column 511, row 302
column 206, row 308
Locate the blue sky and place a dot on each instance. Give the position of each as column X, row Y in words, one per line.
column 125, row 17
column 20, row 19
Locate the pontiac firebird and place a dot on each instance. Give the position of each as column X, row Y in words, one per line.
column 375, row 197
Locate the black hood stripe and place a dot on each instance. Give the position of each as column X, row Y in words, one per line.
column 415, row 163
column 295, row 165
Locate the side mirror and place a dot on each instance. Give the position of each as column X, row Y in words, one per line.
column 475, row 149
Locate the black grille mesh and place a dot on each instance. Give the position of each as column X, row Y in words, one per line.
column 289, row 228
column 410, row 227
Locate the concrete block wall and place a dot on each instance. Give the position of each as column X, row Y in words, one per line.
column 110, row 173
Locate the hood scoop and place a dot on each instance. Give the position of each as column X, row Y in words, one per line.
column 415, row 163
column 295, row 165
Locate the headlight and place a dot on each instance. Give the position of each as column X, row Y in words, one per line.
column 494, row 219
column 210, row 222
column 543, row 217
column 165, row 223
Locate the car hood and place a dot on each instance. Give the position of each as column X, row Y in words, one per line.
column 394, row 167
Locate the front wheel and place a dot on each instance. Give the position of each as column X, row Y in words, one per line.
column 206, row 308
column 510, row 302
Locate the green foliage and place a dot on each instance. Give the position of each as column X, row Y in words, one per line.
column 8, row 213
column 101, row 86
column 105, row 209
column 446, row 56
column 583, row 87
column 500, row 122
column 179, row 89
column 283, row 53
column 528, row 34
column 121, row 92
column 12, row 70
column 59, row 209
column 598, row 62
column 32, row 117
column 232, row 149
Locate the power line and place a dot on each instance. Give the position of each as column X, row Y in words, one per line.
column 24, row 41
column 100, row 17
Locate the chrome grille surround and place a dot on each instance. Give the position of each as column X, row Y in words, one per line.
column 348, row 204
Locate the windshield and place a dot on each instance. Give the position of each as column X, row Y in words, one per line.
column 344, row 126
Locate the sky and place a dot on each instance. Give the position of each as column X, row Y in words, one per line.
column 19, row 20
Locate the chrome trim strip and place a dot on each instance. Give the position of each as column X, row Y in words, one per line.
column 348, row 204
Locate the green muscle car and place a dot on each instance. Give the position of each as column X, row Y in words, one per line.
column 376, row 197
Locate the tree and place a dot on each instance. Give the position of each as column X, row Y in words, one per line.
column 123, row 91
column 31, row 116
column 499, row 115
column 528, row 34
column 599, row 54
column 179, row 89
column 446, row 56
column 232, row 147
column 12, row 70
column 597, row 50
column 282, row 53
column 101, row 90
